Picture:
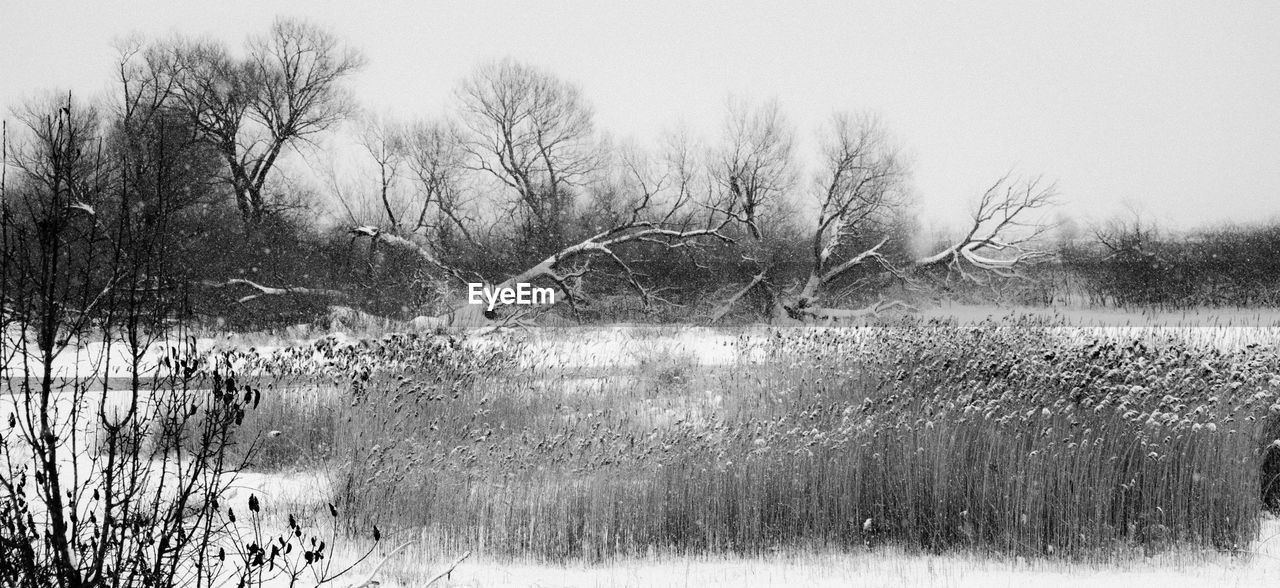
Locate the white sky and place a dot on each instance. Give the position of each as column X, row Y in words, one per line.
column 1172, row 108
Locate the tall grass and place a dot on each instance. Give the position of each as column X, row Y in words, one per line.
column 1010, row 437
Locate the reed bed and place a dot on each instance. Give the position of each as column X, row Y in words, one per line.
column 1006, row 437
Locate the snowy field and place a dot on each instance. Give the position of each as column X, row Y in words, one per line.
column 617, row 349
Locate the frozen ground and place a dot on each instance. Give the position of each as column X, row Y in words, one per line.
column 866, row 570
column 623, row 346
column 882, row 568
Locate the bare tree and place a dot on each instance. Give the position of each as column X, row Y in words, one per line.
column 349, row 192
column 155, row 144
column 102, row 485
column 756, row 165
column 531, row 132
column 667, row 204
column 427, row 217
column 287, row 89
column 378, row 200
column 435, row 156
column 1004, row 233
column 74, row 265
column 383, row 140
column 61, row 154
column 860, row 190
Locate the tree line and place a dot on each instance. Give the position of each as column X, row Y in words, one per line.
column 516, row 184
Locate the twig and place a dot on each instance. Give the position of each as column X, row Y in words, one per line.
column 448, row 570
column 369, row 581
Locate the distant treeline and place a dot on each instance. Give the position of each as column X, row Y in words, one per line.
column 170, row 193
column 1223, row 267
column 1132, row 265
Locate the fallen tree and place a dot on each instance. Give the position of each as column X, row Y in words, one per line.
column 666, row 213
column 667, row 204
column 861, row 195
column 856, row 245
column 565, row 267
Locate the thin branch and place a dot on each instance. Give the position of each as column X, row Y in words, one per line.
column 447, row 569
column 369, row 581
column 282, row 291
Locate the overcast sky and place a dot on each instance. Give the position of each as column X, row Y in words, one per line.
column 1172, row 108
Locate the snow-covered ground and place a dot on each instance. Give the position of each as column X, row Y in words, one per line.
column 869, row 570
column 625, row 347
column 881, row 568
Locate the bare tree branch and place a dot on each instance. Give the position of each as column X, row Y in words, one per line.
column 530, row 131
column 282, row 291
column 1003, row 233
column 720, row 311
column 605, row 244
column 447, row 569
column 282, row 93
column 434, row 153
column 375, row 235
column 756, row 167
